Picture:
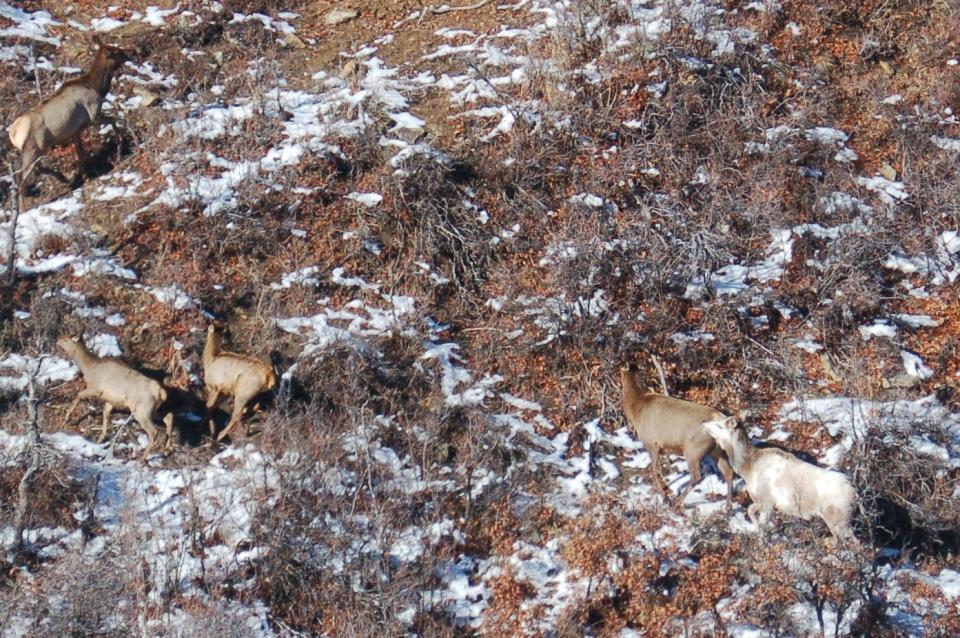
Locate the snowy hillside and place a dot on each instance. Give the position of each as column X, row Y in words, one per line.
column 445, row 226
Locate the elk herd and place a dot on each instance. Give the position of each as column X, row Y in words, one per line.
column 120, row 386
column 61, row 119
column 775, row 479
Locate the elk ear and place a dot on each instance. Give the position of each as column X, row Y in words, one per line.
column 97, row 42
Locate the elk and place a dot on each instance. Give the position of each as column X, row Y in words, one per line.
column 119, row 386
column 666, row 424
column 62, row 118
column 233, row 374
column 778, row 480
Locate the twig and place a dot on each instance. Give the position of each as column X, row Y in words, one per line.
column 762, row 347
column 36, row 75
column 116, row 435
column 466, row 7
column 36, row 461
column 286, row 627
column 663, row 378
column 15, row 216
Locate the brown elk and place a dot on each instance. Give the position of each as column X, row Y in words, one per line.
column 118, row 386
column 233, row 374
column 665, row 424
column 62, row 118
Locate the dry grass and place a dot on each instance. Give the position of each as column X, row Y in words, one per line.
column 709, row 203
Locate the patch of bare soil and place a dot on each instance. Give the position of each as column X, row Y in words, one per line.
column 403, row 32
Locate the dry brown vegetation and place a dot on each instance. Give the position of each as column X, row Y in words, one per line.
column 709, row 204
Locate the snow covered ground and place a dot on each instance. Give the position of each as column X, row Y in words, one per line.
column 206, row 164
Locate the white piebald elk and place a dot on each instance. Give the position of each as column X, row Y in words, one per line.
column 233, row 374
column 61, row 118
column 118, row 386
column 665, row 424
column 777, row 480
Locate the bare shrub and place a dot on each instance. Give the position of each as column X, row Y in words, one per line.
column 430, row 221
column 269, row 7
column 77, row 596
column 315, row 576
column 840, row 586
column 48, row 321
column 909, row 498
column 56, row 496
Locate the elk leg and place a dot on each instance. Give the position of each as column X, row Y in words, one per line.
column 107, row 410
column 693, row 463
column 73, row 406
column 654, row 451
column 243, row 396
column 238, row 404
column 86, row 393
column 145, row 419
column 727, row 470
column 82, row 157
column 49, row 170
column 759, row 515
column 168, row 422
column 212, row 397
column 28, row 161
column 753, row 513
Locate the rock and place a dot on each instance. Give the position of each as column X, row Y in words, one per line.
column 827, row 364
column 292, row 41
column 350, row 69
column 887, row 67
column 900, row 381
column 149, row 97
column 339, row 16
column 887, row 171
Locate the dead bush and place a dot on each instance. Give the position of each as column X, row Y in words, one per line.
column 909, row 498
column 840, row 586
column 315, row 577
column 431, row 222
column 267, row 7
column 55, row 497
column 77, row 596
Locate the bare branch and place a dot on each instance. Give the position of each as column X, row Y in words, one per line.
column 34, row 453
column 663, row 378
column 12, row 233
column 466, row 7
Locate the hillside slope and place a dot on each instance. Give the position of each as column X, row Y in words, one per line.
column 446, row 226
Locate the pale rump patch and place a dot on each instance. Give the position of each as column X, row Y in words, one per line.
column 18, row 131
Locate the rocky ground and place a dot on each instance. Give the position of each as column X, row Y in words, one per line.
column 445, row 225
